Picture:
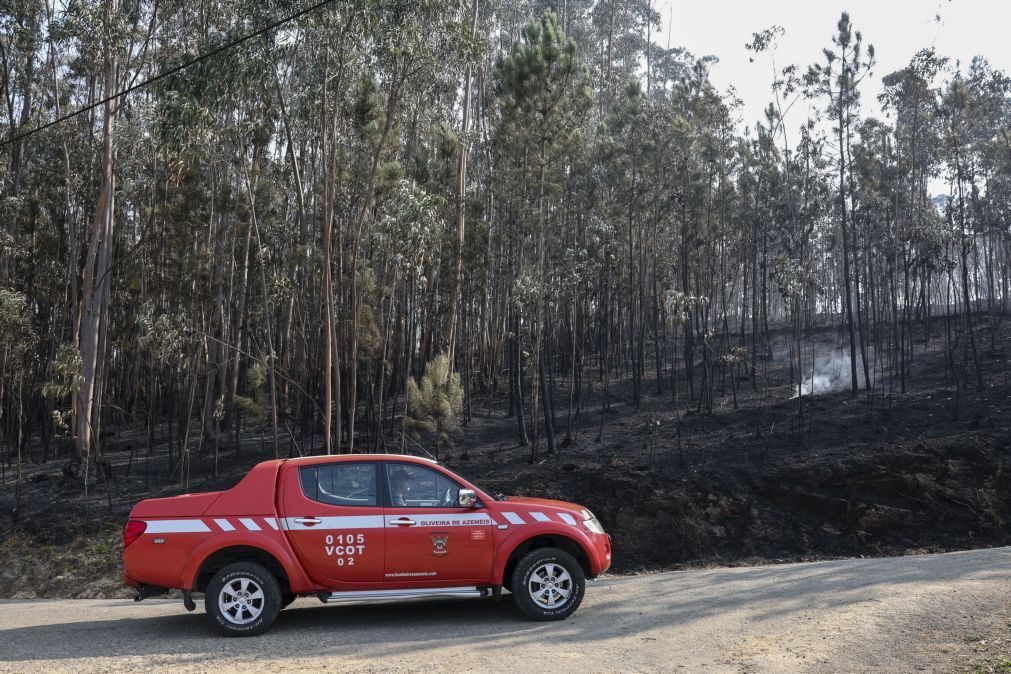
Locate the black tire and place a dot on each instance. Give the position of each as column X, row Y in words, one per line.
column 243, row 621
column 548, row 607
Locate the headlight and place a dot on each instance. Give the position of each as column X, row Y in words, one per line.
column 593, row 524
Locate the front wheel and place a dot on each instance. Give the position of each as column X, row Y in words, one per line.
column 242, row 600
column 548, row 584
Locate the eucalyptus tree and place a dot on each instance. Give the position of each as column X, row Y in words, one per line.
column 542, row 93
column 958, row 119
column 838, row 80
column 20, row 44
column 216, row 121
column 17, row 363
column 461, row 199
column 119, row 37
column 622, row 32
column 990, row 90
column 909, row 97
column 624, row 139
column 415, row 42
column 405, row 238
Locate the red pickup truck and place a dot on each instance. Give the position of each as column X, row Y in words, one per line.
column 359, row 527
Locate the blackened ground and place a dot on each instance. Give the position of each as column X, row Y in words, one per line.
column 881, row 474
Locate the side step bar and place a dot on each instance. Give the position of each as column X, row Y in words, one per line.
column 363, row 595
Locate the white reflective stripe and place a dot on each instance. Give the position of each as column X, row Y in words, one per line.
column 272, row 522
column 249, row 524
column 175, row 527
column 513, row 518
column 569, row 519
column 450, row 520
column 540, row 517
column 225, row 525
column 328, row 523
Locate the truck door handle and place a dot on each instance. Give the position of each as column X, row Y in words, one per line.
column 403, row 521
column 308, row 521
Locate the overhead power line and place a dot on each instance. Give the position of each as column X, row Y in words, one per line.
column 170, row 71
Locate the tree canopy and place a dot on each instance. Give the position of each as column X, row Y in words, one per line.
column 531, row 198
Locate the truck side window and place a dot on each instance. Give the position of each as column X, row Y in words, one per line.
column 414, row 486
column 340, row 484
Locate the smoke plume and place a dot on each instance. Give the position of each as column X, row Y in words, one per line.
column 831, row 374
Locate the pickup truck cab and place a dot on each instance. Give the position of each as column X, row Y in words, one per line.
column 359, row 527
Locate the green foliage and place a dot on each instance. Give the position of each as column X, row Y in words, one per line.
column 164, row 337
column 736, row 356
column 844, row 67
column 408, row 229
column 370, row 102
column 256, row 405
column 63, row 383
column 542, row 90
column 17, row 333
column 435, row 403
column 679, row 305
column 194, row 100
column 792, row 277
column 616, row 202
column 526, row 289
column 64, row 373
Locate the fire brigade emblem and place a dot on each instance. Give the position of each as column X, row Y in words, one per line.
column 439, row 544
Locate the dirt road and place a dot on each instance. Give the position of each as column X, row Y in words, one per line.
column 922, row 613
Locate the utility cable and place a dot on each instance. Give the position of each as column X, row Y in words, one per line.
column 170, row 71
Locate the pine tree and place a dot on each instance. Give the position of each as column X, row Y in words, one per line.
column 435, row 403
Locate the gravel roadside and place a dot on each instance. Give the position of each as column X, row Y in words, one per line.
column 941, row 613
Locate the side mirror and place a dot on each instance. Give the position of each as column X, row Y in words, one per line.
column 467, row 498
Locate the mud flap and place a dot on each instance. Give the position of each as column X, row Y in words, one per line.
column 188, row 601
column 145, row 591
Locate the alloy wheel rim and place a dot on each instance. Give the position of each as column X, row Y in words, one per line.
column 550, row 585
column 241, row 601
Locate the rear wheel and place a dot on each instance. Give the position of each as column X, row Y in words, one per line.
column 242, row 599
column 548, row 584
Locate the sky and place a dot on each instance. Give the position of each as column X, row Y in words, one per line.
column 896, row 28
